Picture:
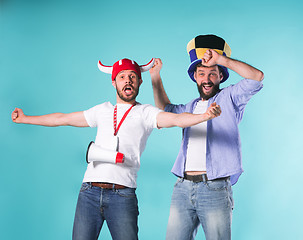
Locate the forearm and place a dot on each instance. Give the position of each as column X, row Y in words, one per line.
column 49, row 120
column 243, row 69
column 183, row 120
column 160, row 96
column 75, row 119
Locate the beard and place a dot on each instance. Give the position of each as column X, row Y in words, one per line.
column 206, row 96
column 128, row 97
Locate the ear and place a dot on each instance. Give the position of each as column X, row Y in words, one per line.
column 114, row 83
column 140, row 82
column 221, row 76
column 220, row 73
column 195, row 76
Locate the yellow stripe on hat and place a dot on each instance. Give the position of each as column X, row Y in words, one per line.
column 200, row 52
column 191, row 45
column 227, row 50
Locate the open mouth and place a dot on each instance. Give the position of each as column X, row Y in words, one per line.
column 128, row 89
column 207, row 86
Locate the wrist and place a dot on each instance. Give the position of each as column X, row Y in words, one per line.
column 20, row 119
column 156, row 79
column 205, row 117
column 27, row 119
column 155, row 75
column 222, row 60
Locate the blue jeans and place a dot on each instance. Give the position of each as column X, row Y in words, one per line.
column 207, row 203
column 118, row 207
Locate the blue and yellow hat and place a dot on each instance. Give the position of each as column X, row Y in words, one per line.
column 199, row 45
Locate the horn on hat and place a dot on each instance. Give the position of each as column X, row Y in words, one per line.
column 147, row 66
column 105, row 69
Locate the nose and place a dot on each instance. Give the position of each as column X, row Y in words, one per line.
column 209, row 79
column 129, row 79
column 205, row 79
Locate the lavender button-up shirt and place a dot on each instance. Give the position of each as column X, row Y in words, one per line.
column 223, row 145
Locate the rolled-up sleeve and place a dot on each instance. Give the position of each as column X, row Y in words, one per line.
column 175, row 108
column 243, row 91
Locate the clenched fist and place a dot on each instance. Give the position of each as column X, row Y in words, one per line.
column 17, row 115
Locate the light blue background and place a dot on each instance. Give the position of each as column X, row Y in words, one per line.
column 48, row 63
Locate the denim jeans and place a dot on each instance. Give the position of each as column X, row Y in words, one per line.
column 118, row 207
column 207, row 203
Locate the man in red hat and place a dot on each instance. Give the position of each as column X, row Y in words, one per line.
column 209, row 161
column 108, row 189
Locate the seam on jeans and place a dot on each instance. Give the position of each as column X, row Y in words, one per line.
column 230, row 197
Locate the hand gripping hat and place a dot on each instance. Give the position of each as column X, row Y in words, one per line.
column 199, row 45
column 125, row 64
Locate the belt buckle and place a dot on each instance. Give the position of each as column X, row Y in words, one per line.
column 200, row 178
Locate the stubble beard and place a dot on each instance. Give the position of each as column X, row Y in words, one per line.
column 129, row 98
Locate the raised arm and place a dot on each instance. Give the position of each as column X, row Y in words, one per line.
column 75, row 119
column 211, row 58
column 183, row 120
column 160, row 97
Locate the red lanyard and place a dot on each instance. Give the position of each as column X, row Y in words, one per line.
column 122, row 120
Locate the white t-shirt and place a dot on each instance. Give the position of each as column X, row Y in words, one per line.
column 196, row 150
column 132, row 137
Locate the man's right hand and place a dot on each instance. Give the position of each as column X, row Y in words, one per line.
column 17, row 115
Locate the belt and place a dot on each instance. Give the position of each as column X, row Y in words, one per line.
column 107, row 185
column 196, row 178
column 201, row 178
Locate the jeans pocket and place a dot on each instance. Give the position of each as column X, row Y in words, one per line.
column 127, row 192
column 85, row 186
column 178, row 181
column 216, row 185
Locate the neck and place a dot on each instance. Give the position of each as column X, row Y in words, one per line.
column 120, row 101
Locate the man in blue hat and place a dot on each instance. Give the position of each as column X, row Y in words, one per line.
column 209, row 161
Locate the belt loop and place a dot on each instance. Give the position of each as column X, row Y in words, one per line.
column 204, row 178
column 113, row 188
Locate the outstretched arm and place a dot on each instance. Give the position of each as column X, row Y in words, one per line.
column 160, row 97
column 211, row 58
column 75, row 119
column 183, row 120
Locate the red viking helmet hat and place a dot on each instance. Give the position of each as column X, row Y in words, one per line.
column 125, row 64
